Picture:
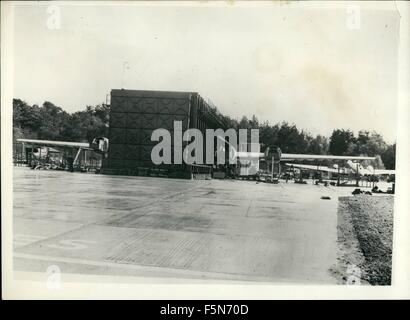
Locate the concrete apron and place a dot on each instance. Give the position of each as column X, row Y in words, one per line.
column 217, row 229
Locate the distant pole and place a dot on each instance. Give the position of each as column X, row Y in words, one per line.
column 338, row 174
column 273, row 164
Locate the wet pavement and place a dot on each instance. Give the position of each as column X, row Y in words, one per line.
column 204, row 229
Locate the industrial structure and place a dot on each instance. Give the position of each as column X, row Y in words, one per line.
column 61, row 155
column 135, row 114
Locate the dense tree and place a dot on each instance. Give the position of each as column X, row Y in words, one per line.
column 88, row 124
column 389, row 157
column 370, row 144
column 53, row 119
column 51, row 122
column 290, row 140
column 254, row 122
column 244, row 123
column 340, row 141
column 25, row 116
column 268, row 135
column 319, row 145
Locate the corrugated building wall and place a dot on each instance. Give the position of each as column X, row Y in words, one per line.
column 135, row 114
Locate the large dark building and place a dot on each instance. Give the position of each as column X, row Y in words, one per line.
column 135, row 114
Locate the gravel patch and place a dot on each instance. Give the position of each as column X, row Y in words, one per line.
column 365, row 236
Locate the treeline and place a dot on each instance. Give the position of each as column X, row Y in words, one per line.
column 50, row 122
column 341, row 142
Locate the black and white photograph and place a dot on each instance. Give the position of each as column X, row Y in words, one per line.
column 233, row 143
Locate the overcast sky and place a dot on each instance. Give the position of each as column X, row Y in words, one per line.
column 279, row 62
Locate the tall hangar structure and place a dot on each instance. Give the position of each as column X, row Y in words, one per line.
column 135, row 114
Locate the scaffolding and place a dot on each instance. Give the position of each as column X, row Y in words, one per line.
column 64, row 158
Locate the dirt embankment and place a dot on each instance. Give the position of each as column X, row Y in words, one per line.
column 365, row 237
